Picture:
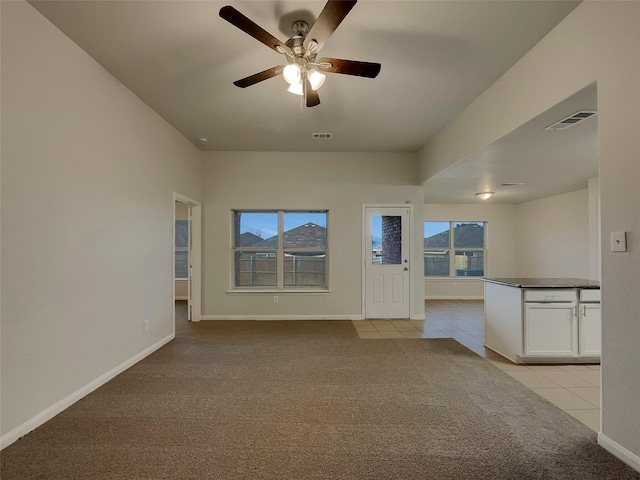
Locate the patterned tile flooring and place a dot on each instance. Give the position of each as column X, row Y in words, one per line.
column 573, row 388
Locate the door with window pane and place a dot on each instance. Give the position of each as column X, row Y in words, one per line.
column 386, row 269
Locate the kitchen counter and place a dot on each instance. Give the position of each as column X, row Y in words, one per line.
column 543, row 320
column 525, row 282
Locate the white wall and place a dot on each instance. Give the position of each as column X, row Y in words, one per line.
column 88, row 175
column 339, row 182
column 501, row 246
column 594, row 229
column 553, row 236
column 598, row 41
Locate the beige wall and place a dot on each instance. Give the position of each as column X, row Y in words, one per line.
column 88, row 175
column 594, row 229
column 182, row 211
column 553, row 236
column 338, row 182
column 597, row 42
column 548, row 237
column 501, row 246
column 75, row 140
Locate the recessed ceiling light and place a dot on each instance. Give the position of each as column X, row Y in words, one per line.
column 203, row 141
column 484, row 195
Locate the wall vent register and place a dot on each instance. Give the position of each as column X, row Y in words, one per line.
column 571, row 120
column 322, row 136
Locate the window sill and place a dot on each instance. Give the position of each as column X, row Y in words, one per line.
column 271, row 291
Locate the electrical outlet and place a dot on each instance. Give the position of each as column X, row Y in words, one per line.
column 275, row 299
column 145, row 325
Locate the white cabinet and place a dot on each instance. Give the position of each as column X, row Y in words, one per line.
column 550, row 329
column 539, row 321
column 590, row 322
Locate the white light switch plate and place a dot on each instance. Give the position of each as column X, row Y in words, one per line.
column 618, row 241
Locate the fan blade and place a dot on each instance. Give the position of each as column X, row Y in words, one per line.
column 331, row 16
column 259, row 77
column 234, row 17
column 349, row 67
column 310, row 95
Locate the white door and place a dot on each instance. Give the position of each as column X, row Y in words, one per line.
column 194, row 251
column 386, row 262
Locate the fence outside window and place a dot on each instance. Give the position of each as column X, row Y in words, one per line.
column 454, row 249
column 294, row 257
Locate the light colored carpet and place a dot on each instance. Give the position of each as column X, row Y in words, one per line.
column 309, row 400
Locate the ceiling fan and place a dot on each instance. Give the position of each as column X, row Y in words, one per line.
column 302, row 71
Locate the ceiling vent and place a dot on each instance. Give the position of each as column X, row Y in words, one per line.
column 512, row 184
column 322, row 136
column 572, row 120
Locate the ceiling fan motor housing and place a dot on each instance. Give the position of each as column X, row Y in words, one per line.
column 301, row 51
column 301, row 55
column 300, row 28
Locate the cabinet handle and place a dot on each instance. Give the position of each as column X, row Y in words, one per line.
column 574, row 310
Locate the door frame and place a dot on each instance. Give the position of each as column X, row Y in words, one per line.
column 194, row 288
column 366, row 253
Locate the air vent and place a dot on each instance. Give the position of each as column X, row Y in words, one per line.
column 512, row 184
column 322, row 136
column 571, row 120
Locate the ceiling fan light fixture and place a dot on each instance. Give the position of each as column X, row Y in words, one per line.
column 484, row 195
column 301, row 49
column 292, row 73
column 316, row 78
column 296, row 88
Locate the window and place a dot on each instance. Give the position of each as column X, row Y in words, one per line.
column 280, row 249
column 454, row 249
column 182, row 249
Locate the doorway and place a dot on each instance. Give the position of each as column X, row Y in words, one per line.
column 186, row 256
column 386, row 263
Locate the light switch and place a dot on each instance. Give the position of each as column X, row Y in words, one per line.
column 618, row 241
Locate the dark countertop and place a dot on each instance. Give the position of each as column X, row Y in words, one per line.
column 544, row 282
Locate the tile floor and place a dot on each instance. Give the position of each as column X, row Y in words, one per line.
column 573, row 388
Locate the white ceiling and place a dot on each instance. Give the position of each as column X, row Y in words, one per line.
column 181, row 58
column 547, row 162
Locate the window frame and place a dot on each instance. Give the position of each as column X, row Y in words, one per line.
column 450, row 250
column 280, row 253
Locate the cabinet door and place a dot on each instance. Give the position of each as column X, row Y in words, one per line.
column 590, row 329
column 550, row 329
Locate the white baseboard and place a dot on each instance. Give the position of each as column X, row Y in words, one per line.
column 281, row 317
column 294, row 317
column 619, row 451
column 46, row 415
column 455, row 297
